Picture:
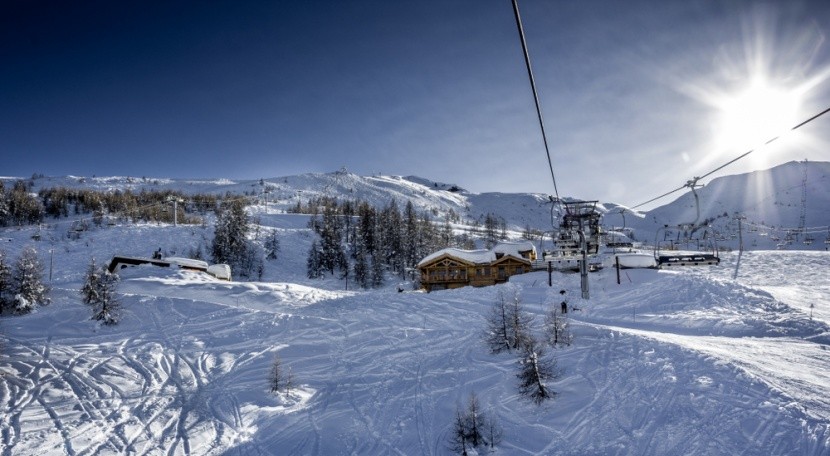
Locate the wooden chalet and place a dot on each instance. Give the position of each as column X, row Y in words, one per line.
column 454, row 268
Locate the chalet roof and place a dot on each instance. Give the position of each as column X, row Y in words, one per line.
column 482, row 256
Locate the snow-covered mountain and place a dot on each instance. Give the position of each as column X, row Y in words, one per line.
column 771, row 201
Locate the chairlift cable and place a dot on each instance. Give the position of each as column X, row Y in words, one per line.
column 734, row 159
column 535, row 95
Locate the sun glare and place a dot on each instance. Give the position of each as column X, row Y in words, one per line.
column 755, row 115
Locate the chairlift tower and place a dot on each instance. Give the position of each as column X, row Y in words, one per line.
column 175, row 200
column 802, row 220
column 580, row 215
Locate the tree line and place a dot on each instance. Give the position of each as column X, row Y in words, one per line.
column 20, row 206
column 359, row 241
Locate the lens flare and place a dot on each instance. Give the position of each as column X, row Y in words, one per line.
column 753, row 116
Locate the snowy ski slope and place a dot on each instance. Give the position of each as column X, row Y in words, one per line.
column 669, row 362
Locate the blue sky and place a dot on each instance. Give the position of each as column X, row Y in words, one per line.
column 634, row 93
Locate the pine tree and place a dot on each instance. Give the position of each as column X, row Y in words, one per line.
column 445, row 234
column 230, row 242
column 108, row 305
column 390, row 223
column 280, row 378
column 497, row 335
column 27, row 283
column 332, row 256
column 491, row 227
column 361, row 270
column 377, row 272
column 272, row 246
column 5, row 281
column 472, row 427
column 475, row 421
column 458, row 436
column 508, row 325
column 98, row 292
column 313, row 268
column 409, row 242
column 289, row 381
column 91, row 286
column 367, row 228
column 4, row 206
column 519, row 323
column 276, row 378
column 557, row 331
column 535, row 371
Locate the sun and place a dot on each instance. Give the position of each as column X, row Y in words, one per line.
column 754, row 115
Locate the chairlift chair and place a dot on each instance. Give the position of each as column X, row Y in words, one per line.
column 697, row 258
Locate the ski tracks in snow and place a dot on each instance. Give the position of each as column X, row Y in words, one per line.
column 156, row 391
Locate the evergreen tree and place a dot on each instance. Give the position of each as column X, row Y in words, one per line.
column 276, row 378
column 475, row 421
column 390, row 224
column 427, row 238
column 445, row 235
column 108, row 306
column 4, row 206
column 272, row 246
column 497, row 334
column 508, row 325
column 367, row 228
column 377, row 272
column 332, row 255
column 491, row 227
column 458, row 436
column 519, row 323
column 5, row 282
column 361, row 270
column 91, row 287
column 313, row 268
column 24, row 209
column 557, row 330
column 472, row 427
column 280, row 378
column 535, row 370
column 27, row 283
column 98, row 291
column 409, row 241
column 230, row 242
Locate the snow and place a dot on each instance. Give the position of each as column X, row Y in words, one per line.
column 685, row 361
column 728, row 359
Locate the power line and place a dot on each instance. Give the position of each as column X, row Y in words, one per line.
column 770, row 141
column 535, row 95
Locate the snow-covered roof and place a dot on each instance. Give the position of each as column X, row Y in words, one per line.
column 514, row 248
column 482, row 256
column 187, row 262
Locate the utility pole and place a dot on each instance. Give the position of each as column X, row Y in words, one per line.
column 175, row 200
column 740, row 245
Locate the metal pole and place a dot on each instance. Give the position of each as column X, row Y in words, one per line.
column 740, row 248
column 583, row 267
column 617, row 261
column 550, row 273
